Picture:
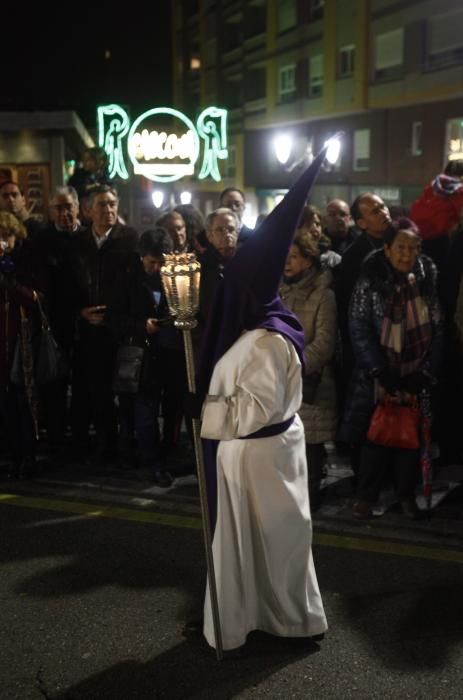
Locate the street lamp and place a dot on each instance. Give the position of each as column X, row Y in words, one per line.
column 157, row 197
column 180, row 275
column 283, row 145
column 333, row 148
column 185, row 197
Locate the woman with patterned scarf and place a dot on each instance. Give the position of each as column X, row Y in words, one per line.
column 396, row 333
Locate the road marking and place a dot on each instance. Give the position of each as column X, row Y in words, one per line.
column 388, row 547
column 323, row 539
column 101, row 511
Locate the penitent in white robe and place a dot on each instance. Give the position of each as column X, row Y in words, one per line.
column 262, row 541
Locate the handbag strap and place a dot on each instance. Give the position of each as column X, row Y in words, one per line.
column 387, row 401
column 43, row 317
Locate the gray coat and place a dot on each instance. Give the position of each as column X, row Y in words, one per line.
column 313, row 302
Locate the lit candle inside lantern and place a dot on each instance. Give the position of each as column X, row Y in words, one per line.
column 183, row 287
column 181, row 276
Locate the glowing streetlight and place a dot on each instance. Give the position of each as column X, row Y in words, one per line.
column 333, row 149
column 185, row 197
column 283, row 144
column 157, row 197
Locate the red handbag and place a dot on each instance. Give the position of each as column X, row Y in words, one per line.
column 395, row 425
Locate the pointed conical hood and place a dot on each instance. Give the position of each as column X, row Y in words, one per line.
column 260, row 262
column 248, row 297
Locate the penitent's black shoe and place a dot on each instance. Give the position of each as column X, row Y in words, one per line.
column 193, row 627
column 318, row 637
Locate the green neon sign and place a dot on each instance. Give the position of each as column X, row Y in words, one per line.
column 110, row 137
column 159, row 153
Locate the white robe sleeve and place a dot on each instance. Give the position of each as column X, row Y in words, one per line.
column 258, row 398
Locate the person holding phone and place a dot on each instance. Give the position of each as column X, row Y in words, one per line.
column 140, row 317
column 104, row 257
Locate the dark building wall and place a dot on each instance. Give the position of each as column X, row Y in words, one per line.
column 391, row 160
column 263, row 171
column 403, row 167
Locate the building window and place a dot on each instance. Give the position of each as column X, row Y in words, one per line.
column 316, row 9
column 287, row 83
column 195, row 63
column 346, row 61
column 361, row 150
column 232, row 33
column 211, row 52
column 316, row 76
column 417, row 128
column 255, row 19
column 287, row 15
column 255, row 84
column 232, row 92
column 454, row 140
column 445, row 40
column 389, row 55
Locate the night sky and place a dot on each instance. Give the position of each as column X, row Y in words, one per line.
column 79, row 57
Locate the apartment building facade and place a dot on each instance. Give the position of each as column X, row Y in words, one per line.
column 388, row 74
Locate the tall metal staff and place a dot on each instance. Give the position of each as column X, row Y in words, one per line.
column 180, row 277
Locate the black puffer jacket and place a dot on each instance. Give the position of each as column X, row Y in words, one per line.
column 366, row 315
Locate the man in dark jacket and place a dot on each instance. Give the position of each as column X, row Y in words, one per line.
column 54, row 247
column 234, row 199
column 372, row 216
column 338, row 226
column 222, row 228
column 104, row 257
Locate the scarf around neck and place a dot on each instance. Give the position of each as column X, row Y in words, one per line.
column 406, row 332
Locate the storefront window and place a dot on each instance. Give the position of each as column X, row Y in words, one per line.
column 454, row 140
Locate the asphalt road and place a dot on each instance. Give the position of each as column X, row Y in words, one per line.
column 94, row 597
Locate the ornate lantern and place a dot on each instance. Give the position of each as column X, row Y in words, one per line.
column 181, row 276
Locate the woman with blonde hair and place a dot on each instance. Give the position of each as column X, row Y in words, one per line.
column 311, row 222
column 306, row 291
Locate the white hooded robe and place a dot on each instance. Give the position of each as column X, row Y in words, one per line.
column 262, row 543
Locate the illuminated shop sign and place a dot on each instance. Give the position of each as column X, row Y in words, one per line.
column 162, row 143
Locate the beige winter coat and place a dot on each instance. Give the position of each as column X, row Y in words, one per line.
column 312, row 301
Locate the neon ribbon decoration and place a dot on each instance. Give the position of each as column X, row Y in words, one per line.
column 111, row 139
column 215, row 141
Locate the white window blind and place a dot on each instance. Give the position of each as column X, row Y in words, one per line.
column 346, row 60
column 445, row 32
column 361, row 149
column 287, row 80
column 389, row 49
column 316, row 75
column 287, row 15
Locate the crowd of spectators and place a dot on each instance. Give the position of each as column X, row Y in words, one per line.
column 380, row 302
